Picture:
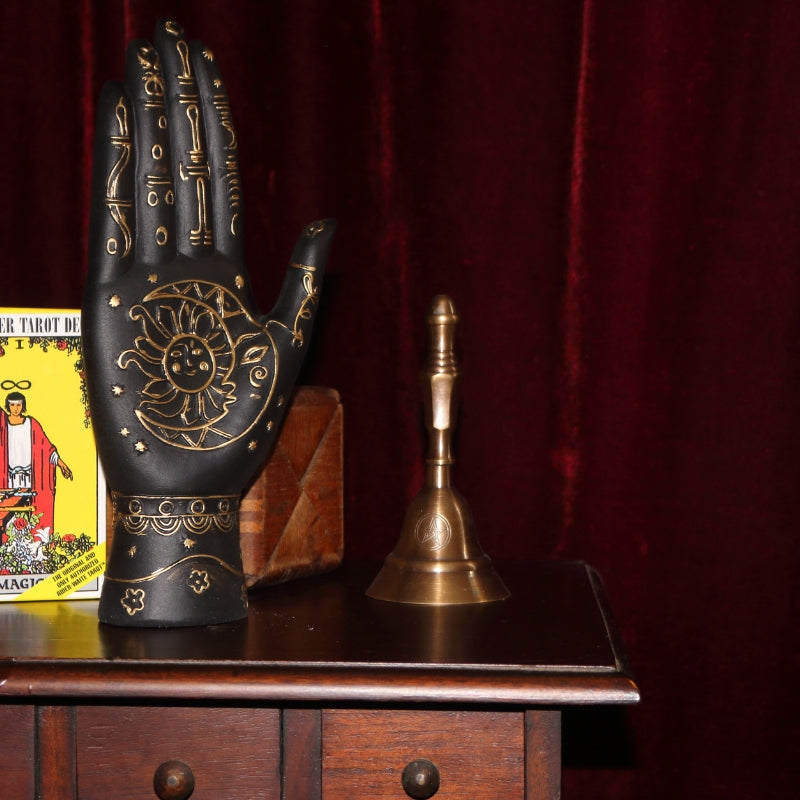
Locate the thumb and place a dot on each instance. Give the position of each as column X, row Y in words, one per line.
column 297, row 303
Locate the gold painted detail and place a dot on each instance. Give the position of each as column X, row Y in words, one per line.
column 116, row 204
column 159, row 181
column 133, row 601
column 231, row 172
column 188, row 559
column 199, row 581
column 195, row 166
column 152, row 78
column 304, row 312
column 197, row 345
column 115, row 301
column 140, row 516
column 314, row 229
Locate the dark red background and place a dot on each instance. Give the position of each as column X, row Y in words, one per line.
column 608, row 190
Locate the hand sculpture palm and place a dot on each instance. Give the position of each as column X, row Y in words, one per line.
column 188, row 383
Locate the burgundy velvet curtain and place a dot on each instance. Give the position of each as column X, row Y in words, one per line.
column 607, row 189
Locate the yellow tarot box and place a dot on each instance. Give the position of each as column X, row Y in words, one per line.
column 52, row 491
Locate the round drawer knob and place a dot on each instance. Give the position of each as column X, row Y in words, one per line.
column 173, row 780
column 420, row 779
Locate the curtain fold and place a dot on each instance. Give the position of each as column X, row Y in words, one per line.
column 608, row 192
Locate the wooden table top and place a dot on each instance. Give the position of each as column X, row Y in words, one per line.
column 321, row 640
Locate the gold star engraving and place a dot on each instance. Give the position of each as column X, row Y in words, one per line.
column 270, row 425
column 239, row 281
column 252, row 445
column 124, row 432
column 117, row 390
column 208, row 55
column 140, row 447
column 152, row 278
column 281, row 401
column 189, row 543
column 217, row 83
column 115, row 301
column 131, row 551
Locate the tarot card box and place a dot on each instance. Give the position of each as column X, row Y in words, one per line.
column 52, row 492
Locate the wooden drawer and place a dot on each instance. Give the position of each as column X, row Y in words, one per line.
column 478, row 754
column 232, row 752
column 16, row 724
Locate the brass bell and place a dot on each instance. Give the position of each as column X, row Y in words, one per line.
column 437, row 559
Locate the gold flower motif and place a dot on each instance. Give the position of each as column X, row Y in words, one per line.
column 199, row 581
column 133, row 601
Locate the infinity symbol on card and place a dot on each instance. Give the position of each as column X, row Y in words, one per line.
column 6, row 385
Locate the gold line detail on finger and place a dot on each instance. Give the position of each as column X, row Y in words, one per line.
column 117, row 206
column 151, row 77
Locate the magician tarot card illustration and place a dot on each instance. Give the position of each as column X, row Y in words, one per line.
column 52, row 491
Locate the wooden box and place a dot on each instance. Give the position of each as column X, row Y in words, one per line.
column 291, row 518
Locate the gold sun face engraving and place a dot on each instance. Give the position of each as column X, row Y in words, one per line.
column 196, row 345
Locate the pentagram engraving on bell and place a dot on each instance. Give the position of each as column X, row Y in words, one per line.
column 432, row 532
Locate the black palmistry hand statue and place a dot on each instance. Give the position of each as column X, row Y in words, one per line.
column 188, row 383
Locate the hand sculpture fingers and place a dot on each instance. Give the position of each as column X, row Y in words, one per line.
column 154, row 186
column 188, row 383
